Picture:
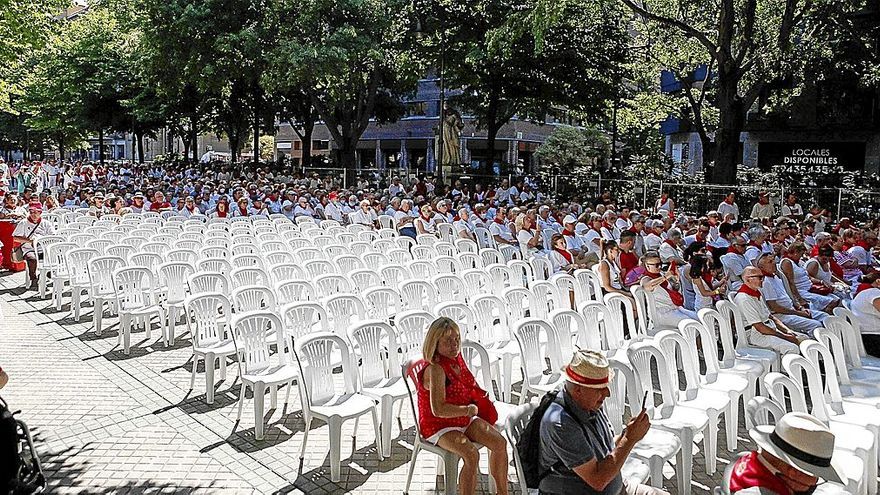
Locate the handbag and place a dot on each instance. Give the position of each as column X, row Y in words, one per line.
column 18, row 252
column 821, row 289
column 485, row 408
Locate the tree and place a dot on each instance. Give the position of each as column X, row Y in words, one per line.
column 353, row 58
column 749, row 46
column 505, row 68
column 573, row 151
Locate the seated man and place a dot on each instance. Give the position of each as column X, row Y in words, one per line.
column 791, row 458
column 796, row 317
column 577, row 448
column 762, row 327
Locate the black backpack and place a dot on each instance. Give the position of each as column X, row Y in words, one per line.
column 529, row 444
column 10, row 461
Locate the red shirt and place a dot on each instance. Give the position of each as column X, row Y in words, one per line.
column 627, row 261
column 156, row 206
column 460, row 384
column 749, row 472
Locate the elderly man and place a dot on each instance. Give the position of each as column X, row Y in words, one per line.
column 670, row 249
column 762, row 327
column 735, row 262
column 792, row 457
column 546, row 220
column 364, row 215
column 500, row 229
column 794, row 316
column 578, row 449
column 31, row 228
column 463, row 226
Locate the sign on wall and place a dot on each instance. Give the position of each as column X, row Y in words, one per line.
column 811, row 157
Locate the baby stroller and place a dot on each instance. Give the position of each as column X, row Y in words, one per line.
column 20, row 469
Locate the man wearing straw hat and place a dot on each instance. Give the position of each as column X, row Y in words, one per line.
column 578, row 450
column 790, row 460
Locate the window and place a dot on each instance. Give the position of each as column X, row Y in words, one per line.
column 416, row 109
column 318, row 144
column 297, row 145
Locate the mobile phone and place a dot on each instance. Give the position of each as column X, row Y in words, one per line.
column 645, row 400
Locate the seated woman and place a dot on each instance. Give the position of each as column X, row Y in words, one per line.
column 530, row 242
column 425, row 223
column 687, row 287
column 668, row 301
column 448, row 412
column 866, row 307
column 560, row 257
column 806, row 290
column 823, row 267
column 702, row 277
column 609, row 269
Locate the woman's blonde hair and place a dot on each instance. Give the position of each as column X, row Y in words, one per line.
column 520, row 220
column 438, row 328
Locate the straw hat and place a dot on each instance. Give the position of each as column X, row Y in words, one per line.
column 801, row 441
column 588, row 369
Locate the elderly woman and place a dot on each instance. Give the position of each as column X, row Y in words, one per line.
column 866, row 308
column 426, row 223
column 452, row 408
column 560, row 257
column 668, row 301
column 529, row 238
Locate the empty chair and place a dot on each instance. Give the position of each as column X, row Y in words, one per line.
column 200, row 282
column 544, row 300
column 219, row 265
column 316, row 268
column 411, row 327
column 491, row 256
column 460, row 313
column 588, row 288
column 136, row 299
column 253, row 275
column 173, row 277
column 364, row 278
column 303, row 318
column 476, row 282
column 518, row 301
column 278, row 258
column 399, row 255
column 371, row 339
column 102, row 288
column 184, row 255
column 502, row 277
column 332, row 284
column 205, row 314
column 286, row 271
column 248, row 261
column 253, row 298
column 294, row 291
column 449, row 288
column 521, row 273
column 348, row 263
column 374, row 260
column 211, row 251
column 393, row 275
column 447, row 264
column 470, row 260
column 78, row 266
column 344, row 310
column 423, row 270
column 382, row 303
column 492, row 332
column 530, row 334
column 150, row 261
column 423, row 252
column 418, row 294
column 257, row 366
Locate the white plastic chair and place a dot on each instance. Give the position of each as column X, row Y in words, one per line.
column 411, row 327
column 371, row 339
column 257, row 366
column 286, row 271
column 322, row 399
column 530, row 334
column 733, row 315
column 201, row 281
column 294, row 291
column 393, row 274
column 344, row 311
column 755, row 366
column 252, row 275
column 418, row 294
column 332, row 284
column 136, row 298
column 101, row 286
column 449, row 287
column 209, row 336
column 382, row 303
column 364, row 278
column 253, row 298
column 173, row 277
column 78, row 261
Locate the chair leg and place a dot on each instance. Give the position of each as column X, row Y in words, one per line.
column 387, row 405
column 305, row 440
column 684, row 469
column 125, row 323
column 192, row 379
column 506, row 378
column 710, row 445
column 731, row 423
column 273, row 396
column 222, row 366
column 412, row 465
column 209, row 377
column 98, row 315
column 380, row 438
column 259, row 406
column 335, row 425
column 656, row 465
column 450, row 473
column 241, row 400
column 75, row 302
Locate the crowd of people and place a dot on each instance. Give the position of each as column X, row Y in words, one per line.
column 786, row 269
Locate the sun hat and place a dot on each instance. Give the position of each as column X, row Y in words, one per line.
column 35, row 206
column 569, row 219
column 801, row 441
column 588, row 369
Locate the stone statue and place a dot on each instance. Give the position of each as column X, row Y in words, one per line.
column 452, row 127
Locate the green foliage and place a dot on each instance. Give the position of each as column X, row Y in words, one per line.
column 573, row 151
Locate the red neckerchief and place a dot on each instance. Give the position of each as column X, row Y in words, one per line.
column 749, row 472
column 633, row 230
column 190, row 209
column 699, row 237
column 426, row 219
column 222, row 214
column 862, row 287
column 499, row 222
column 671, row 243
column 567, row 232
column 676, row 297
column 845, row 247
column 728, row 202
column 610, row 228
column 565, row 254
column 243, row 211
column 745, row 289
column 863, row 244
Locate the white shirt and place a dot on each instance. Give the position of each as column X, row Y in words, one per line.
column 861, row 254
column 502, row 231
column 591, row 239
column 792, row 210
column 652, row 241
column 724, row 208
column 734, row 265
column 754, row 309
column 24, row 228
column 331, row 212
column 363, row 218
column 773, row 289
column 573, row 242
column 867, row 314
column 668, row 252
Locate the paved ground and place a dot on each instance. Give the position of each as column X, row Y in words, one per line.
column 109, row 423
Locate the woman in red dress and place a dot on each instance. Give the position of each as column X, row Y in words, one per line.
column 448, row 396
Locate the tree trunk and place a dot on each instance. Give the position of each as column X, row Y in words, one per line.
column 140, row 147
column 257, row 131
column 61, row 146
column 308, row 130
column 186, row 145
column 233, row 144
column 731, row 123
column 194, row 135
column 101, row 147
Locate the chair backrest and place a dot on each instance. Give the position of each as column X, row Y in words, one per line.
column 491, row 256
column 447, row 264
column 640, row 355
column 484, row 238
column 375, row 260
column 830, row 339
column 371, row 339
column 470, row 261
column 781, row 387
column 250, row 332
column 400, row 256
column 344, row 310
column 150, row 261
column 186, row 255
column 411, row 327
column 623, row 313
column 101, row 274
column 714, row 321
column 248, row 261
column 387, row 222
column 286, row 271
column 394, row 274
column 647, row 316
column 545, row 298
column 761, row 409
column 279, row 257
column 364, row 278
column 444, row 248
column 589, row 287
column 460, row 313
column 565, row 287
column 697, row 332
column 846, row 334
column 492, row 328
column 295, row 290
column 173, row 276
column 821, row 358
column 203, row 281
column 501, row 277
column 78, row 265
column 530, row 334
column 518, row 301
column 315, row 355
column 675, row 346
column 411, row 370
column 253, row 298
column 422, row 269
column 252, row 275
column 446, row 231
column 595, row 316
column 476, row 281
column 734, row 317
column 348, row 263
column 521, row 273
column 204, row 317
column 418, row 294
column 303, row 318
column 135, row 287
column 449, row 287
column 382, row 302
column 331, row 284
column 855, row 330
column 541, row 267
column 220, row 265
column 466, row 246
column 568, row 325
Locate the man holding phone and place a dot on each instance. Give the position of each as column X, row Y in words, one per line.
column 578, row 449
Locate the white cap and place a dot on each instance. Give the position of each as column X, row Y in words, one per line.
column 569, row 219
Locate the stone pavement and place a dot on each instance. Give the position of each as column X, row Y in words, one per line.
column 109, row 423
